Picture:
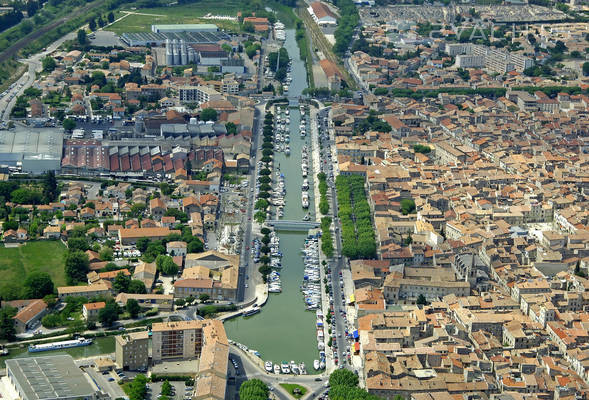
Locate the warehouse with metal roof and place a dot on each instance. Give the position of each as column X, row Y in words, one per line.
column 37, row 150
column 49, row 378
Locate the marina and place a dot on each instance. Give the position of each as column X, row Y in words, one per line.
column 284, row 330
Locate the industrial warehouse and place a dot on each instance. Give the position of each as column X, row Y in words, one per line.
column 36, row 150
column 190, row 34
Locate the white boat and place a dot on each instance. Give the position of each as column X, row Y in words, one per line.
column 65, row 344
column 268, row 366
column 316, row 364
column 294, row 367
column 276, row 368
column 322, row 365
column 285, row 368
column 302, row 369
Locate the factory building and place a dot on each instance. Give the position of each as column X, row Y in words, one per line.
column 35, row 150
column 174, row 28
column 48, row 378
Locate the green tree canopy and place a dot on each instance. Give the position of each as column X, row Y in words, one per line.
column 136, row 286
column 133, row 308
column 109, row 314
column 38, row 284
column 208, row 114
column 76, row 266
column 121, row 282
column 253, row 389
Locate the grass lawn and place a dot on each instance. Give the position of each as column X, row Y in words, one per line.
column 17, row 263
column 178, row 14
column 290, row 387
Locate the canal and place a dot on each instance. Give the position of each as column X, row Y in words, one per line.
column 284, row 330
column 101, row 345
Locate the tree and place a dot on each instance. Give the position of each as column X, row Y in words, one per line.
column 136, row 286
column 50, row 300
column 121, row 282
column 133, row 308
column 137, row 389
column 407, row 206
column 586, row 68
column 38, row 284
column 166, row 388
column 7, row 329
column 208, row 114
column 253, row 389
column 92, row 24
column 188, row 167
column 195, row 246
column 109, row 314
column 180, row 302
column 82, row 39
column 77, row 243
column 421, row 300
column 110, row 17
column 76, row 266
column 6, row 225
column 343, row 377
column 166, row 189
column 231, row 128
column 69, row 124
column 142, row 244
column 48, row 64
column 50, row 186
column 106, row 254
column 203, row 298
column 249, row 27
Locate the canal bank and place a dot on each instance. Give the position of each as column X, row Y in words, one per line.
column 284, row 330
column 100, row 346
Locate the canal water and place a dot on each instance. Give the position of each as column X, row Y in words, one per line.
column 101, row 345
column 284, row 330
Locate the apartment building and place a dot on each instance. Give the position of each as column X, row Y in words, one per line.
column 132, row 351
column 176, row 340
column 198, row 94
column 99, row 289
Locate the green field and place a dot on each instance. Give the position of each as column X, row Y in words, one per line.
column 17, row 263
column 178, row 14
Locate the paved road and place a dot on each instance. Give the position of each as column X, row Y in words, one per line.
column 25, row 81
column 249, row 370
column 246, row 262
column 337, row 264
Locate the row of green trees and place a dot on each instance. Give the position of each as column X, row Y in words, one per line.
column 358, row 240
column 348, row 21
column 326, row 237
column 323, row 203
column 265, row 174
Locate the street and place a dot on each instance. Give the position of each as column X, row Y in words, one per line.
column 247, row 369
column 35, row 65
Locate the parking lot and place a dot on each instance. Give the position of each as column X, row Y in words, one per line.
column 179, row 390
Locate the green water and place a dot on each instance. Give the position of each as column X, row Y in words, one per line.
column 284, row 330
column 102, row 345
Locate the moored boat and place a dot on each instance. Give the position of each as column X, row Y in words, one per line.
column 66, row 344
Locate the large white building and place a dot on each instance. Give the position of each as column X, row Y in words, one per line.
column 198, row 94
column 470, row 55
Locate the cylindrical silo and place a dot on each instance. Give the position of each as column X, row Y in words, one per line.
column 169, row 55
